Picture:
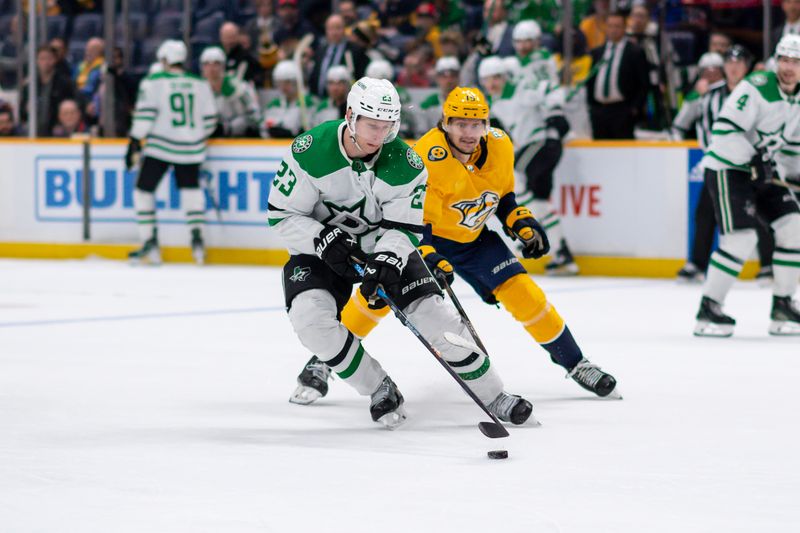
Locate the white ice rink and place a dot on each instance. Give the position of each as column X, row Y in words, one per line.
column 155, row 400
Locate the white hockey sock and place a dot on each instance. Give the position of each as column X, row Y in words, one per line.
column 145, row 204
column 785, row 271
column 356, row 367
column 550, row 220
column 723, row 269
column 433, row 317
column 194, row 202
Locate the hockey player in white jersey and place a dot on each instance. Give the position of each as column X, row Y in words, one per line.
column 236, row 100
column 534, row 60
column 538, row 131
column 175, row 114
column 493, row 77
column 350, row 191
column 448, row 70
column 283, row 116
column 338, row 81
column 753, row 157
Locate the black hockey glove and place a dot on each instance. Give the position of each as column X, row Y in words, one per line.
column 438, row 264
column 521, row 225
column 383, row 270
column 557, row 127
column 762, row 167
column 132, row 155
column 338, row 249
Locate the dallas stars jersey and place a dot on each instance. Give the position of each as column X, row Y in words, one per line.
column 701, row 112
column 503, row 107
column 534, row 102
column 379, row 201
column 238, row 107
column 430, row 113
column 175, row 113
column 757, row 114
column 280, row 113
column 326, row 110
column 462, row 197
column 539, row 64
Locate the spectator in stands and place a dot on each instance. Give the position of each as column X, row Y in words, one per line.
column 336, row 50
column 414, row 72
column 498, row 32
column 89, row 73
column 237, row 104
column 348, row 12
column 59, row 47
column 616, row 92
column 70, row 120
column 125, row 88
column 7, row 126
column 10, row 56
column 427, row 32
column 290, row 25
column 239, row 64
column 51, row 89
column 791, row 25
column 286, row 116
column 364, row 35
column 334, row 106
column 719, row 42
column 594, row 26
column 451, row 42
column 262, row 27
column 430, row 109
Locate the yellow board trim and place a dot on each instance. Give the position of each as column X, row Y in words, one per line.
column 633, row 267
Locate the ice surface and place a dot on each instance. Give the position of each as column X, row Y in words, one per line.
column 155, row 400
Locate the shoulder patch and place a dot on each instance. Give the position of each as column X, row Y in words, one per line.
column 437, row 153
column 302, row 143
column 758, row 79
column 414, row 160
column 497, row 133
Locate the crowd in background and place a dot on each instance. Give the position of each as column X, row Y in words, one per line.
column 246, row 50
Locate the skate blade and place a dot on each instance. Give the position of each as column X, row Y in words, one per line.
column 532, row 421
column 695, row 280
column 707, row 329
column 303, row 395
column 614, row 395
column 784, row 328
column 764, row 283
column 199, row 257
column 395, row 419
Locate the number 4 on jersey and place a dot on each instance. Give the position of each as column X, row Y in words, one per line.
column 741, row 102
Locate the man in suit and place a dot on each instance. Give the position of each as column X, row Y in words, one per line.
column 336, row 50
column 791, row 10
column 618, row 87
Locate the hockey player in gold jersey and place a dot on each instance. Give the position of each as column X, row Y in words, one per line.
column 471, row 178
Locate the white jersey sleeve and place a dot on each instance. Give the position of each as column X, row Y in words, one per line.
column 402, row 215
column 687, row 116
column 144, row 114
column 732, row 134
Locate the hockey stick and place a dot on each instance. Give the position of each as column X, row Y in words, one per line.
column 297, row 57
column 493, row 429
column 443, row 282
column 205, row 182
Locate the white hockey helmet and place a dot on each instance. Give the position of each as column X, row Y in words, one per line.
column 513, row 67
column 171, row 52
column 491, row 66
column 710, row 60
column 212, row 54
column 448, row 63
column 788, row 46
column 380, row 69
column 373, row 98
column 339, row 73
column 285, row 70
column 526, row 29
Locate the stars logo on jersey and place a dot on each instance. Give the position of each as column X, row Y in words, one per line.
column 758, row 79
column 414, row 159
column 351, row 219
column 437, row 153
column 302, row 143
column 474, row 213
column 771, row 140
column 299, row 274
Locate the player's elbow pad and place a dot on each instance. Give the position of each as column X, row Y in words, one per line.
column 559, row 124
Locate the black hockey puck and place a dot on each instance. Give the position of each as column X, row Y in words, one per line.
column 498, row 454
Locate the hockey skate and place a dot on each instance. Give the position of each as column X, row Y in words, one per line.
column 764, row 276
column 198, row 247
column 589, row 376
column 562, row 263
column 711, row 321
column 387, row 405
column 785, row 316
column 512, row 408
column 312, row 383
column 690, row 274
column 148, row 253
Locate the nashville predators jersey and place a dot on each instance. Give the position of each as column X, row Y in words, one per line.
column 461, row 197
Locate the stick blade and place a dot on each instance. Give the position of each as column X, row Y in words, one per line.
column 492, row 430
